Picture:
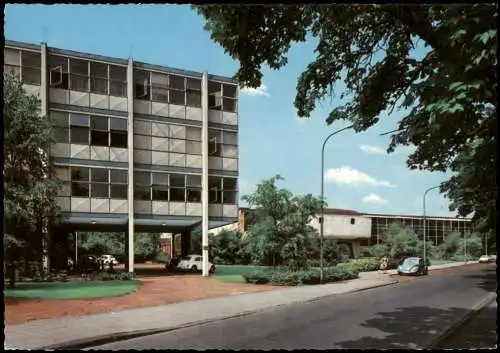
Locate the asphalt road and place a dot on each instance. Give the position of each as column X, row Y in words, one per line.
column 407, row 315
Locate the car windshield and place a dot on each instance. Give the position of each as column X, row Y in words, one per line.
column 410, row 261
column 186, row 258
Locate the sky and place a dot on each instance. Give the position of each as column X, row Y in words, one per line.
column 359, row 174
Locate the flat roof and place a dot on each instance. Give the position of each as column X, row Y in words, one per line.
column 117, row 61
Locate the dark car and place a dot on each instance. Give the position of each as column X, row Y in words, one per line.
column 412, row 266
column 88, row 263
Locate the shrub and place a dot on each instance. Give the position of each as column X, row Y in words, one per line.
column 283, row 277
column 337, row 274
column 363, row 265
column 317, row 263
column 258, row 277
column 111, row 276
column 162, row 258
column 461, row 258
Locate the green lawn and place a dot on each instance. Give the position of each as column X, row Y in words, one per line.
column 72, row 290
column 234, row 273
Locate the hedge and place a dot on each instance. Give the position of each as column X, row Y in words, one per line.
column 361, row 265
column 283, row 277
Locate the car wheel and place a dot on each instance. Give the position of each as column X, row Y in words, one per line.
column 212, row 269
column 194, row 268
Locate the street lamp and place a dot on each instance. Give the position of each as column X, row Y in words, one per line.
column 321, row 219
column 425, row 222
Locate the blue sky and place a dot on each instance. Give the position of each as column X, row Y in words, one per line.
column 360, row 175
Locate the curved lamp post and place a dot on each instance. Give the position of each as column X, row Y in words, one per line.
column 425, row 222
column 321, row 219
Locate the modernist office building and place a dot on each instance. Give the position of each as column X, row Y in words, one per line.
column 138, row 146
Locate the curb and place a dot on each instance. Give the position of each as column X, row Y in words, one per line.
column 122, row 336
column 467, row 317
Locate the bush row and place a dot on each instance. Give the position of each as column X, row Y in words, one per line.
column 361, row 265
column 284, row 277
column 111, row 276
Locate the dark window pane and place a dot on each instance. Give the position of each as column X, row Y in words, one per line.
column 142, row 178
column 99, row 123
column 118, row 124
column 99, row 190
column 177, row 180
column 193, row 98
column 61, row 135
column 142, row 84
column 31, row 76
column 80, row 135
column 229, row 197
column 31, row 60
column 99, row 138
column 214, row 182
column 80, row 67
column 176, row 82
column 80, row 174
column 142, row 192
column 214, row 142
column 229, row 90
column 98, row 70
column 194, row 194
column 177, row 195
column 79, row 83
column 118, row 191
column 160, row 178
column 194, row 83
column 58, row 79
column 56, row 61
column 160, row 94
column 79, row 120
column 229, row 104
column 213, row 87
column 215, row 102
column 118, row 139
column 119, row 176
column 160, row 192
column 59, row 118
column 80, row 189
column 118, row 73
column 100, row 174
column 98, row 85
column 176, row 97
column 230, row 183
column 118, row 88
column 194, row 180
column 215, row 195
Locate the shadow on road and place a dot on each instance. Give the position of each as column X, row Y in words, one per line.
column 486, row 281
column 419, row 323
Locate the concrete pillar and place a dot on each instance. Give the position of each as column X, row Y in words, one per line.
column 130, row 125
column 126, row 250
column 204, row 191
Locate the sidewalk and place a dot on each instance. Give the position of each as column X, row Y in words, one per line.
column 63, row 331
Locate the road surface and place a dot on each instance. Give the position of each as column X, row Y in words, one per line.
column 406, row 315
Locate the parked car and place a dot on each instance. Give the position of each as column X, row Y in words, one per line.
column 493, row 258
column 193, row 263
column 108, row 259
column 88, row 263
column 412, row 266
column 484, row 259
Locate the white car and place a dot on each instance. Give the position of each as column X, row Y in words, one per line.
column 108, row 259
column 484, row 259
column 193, row 263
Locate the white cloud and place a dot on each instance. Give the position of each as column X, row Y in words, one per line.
column 374, row 198
column 346, row 175
column 259, row 91
column 372, row 149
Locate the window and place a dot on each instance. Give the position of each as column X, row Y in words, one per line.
column 80, row 189
column 214, row 95
column 31, row 63
column 177, row 194
column 79, row 70
column 230, row 138
column 193, row 147
column 159, row 83
column 142, row 192
column 142, row 85
column 229, row 90
column 99, row 138
column 160, row 178
column 177, row 180
column 229, row 104
column 100, row 175
column 160, row 192
column 193, row 92
column 214, row 189
column 117, row 81
column 119, row 191
column 177, row 97
column 214, row 141
column 61, row 135
column 99, row 190
column 118, row 124
column 58, row 72
column 194, row 188
column 79, row 119
column 98, row 78
column 79, row 135
column 193, row 133
column 353, row 220
column 229, row 190
column 142, row 178
column 99, row 123
column 59, row 118
column 80, row 174
column 119, row 176
column 119, row 139
column 177, row 82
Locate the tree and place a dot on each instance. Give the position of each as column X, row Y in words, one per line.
column 225, row 247
column 29, row 195
column 448, row 96
column 281, row 230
